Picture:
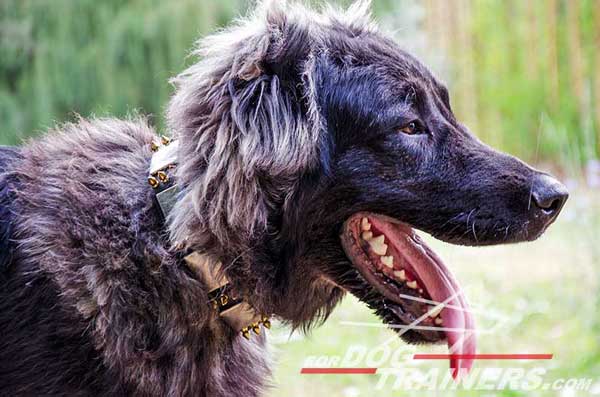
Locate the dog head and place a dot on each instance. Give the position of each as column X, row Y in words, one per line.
column 312, row 145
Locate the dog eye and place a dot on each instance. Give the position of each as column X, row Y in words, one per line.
column 412, row 128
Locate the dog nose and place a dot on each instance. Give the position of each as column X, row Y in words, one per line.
column 548, row 194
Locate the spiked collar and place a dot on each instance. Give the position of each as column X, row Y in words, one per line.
column 224, row 302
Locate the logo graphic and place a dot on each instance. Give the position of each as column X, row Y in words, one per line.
column 402, row 369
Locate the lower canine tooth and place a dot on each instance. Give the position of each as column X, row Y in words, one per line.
column 412, row 284
column 400, row 275
column 367, row 235
column 388, row 261
column 365, row 225
column 438, row 321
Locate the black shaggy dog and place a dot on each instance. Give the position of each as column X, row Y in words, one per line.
column 309, row 146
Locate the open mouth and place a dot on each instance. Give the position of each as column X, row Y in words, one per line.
column 420, row 294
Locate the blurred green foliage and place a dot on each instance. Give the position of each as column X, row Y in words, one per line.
column 537, row 85
column 113, row 57
column 94, row 57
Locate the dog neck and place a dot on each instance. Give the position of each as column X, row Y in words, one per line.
column 225, row 303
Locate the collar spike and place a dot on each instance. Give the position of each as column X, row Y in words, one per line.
column 165, row 140
column 162, row 176
column 153, row 182
column 246, row 333
column 266, row 322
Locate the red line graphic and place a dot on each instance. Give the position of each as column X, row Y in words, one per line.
column 371, row 371
column 484, row 356
column 314, row 371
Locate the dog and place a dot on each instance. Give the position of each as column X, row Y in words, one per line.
column 307, row 149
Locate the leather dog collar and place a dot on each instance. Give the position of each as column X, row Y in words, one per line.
column 230, row 307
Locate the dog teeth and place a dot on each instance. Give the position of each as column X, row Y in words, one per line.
column 400, row 275
column 378, row 240
column 438, row 321
column 379, row 249
column 412, row 284
column 365, row 225
column 433, row 313
column 367, row 235
column 388, row 261
column 378, row 245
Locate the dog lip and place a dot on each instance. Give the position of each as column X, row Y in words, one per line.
column 427, row 268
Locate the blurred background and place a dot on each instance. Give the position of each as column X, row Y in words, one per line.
column 523, row 75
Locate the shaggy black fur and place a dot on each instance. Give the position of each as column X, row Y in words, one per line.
column 69, row 357
column 291, row 124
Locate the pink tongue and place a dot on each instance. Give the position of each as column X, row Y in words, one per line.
column 443, row 288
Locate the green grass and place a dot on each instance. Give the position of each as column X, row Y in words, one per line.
column 546, row 290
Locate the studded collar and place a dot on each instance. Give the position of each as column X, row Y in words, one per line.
column 225, row 303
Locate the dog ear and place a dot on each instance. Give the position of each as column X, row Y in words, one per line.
column 246, row 116
column 289, row 45
column 280, row 48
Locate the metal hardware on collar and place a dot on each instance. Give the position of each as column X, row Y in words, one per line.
column 238, row 314
column 266, row 322
column 234, row 311
column 162, row 176
column 153, row 182
column 167, row 198
column 165, row 140
column 163, row 161
column 164, row 157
